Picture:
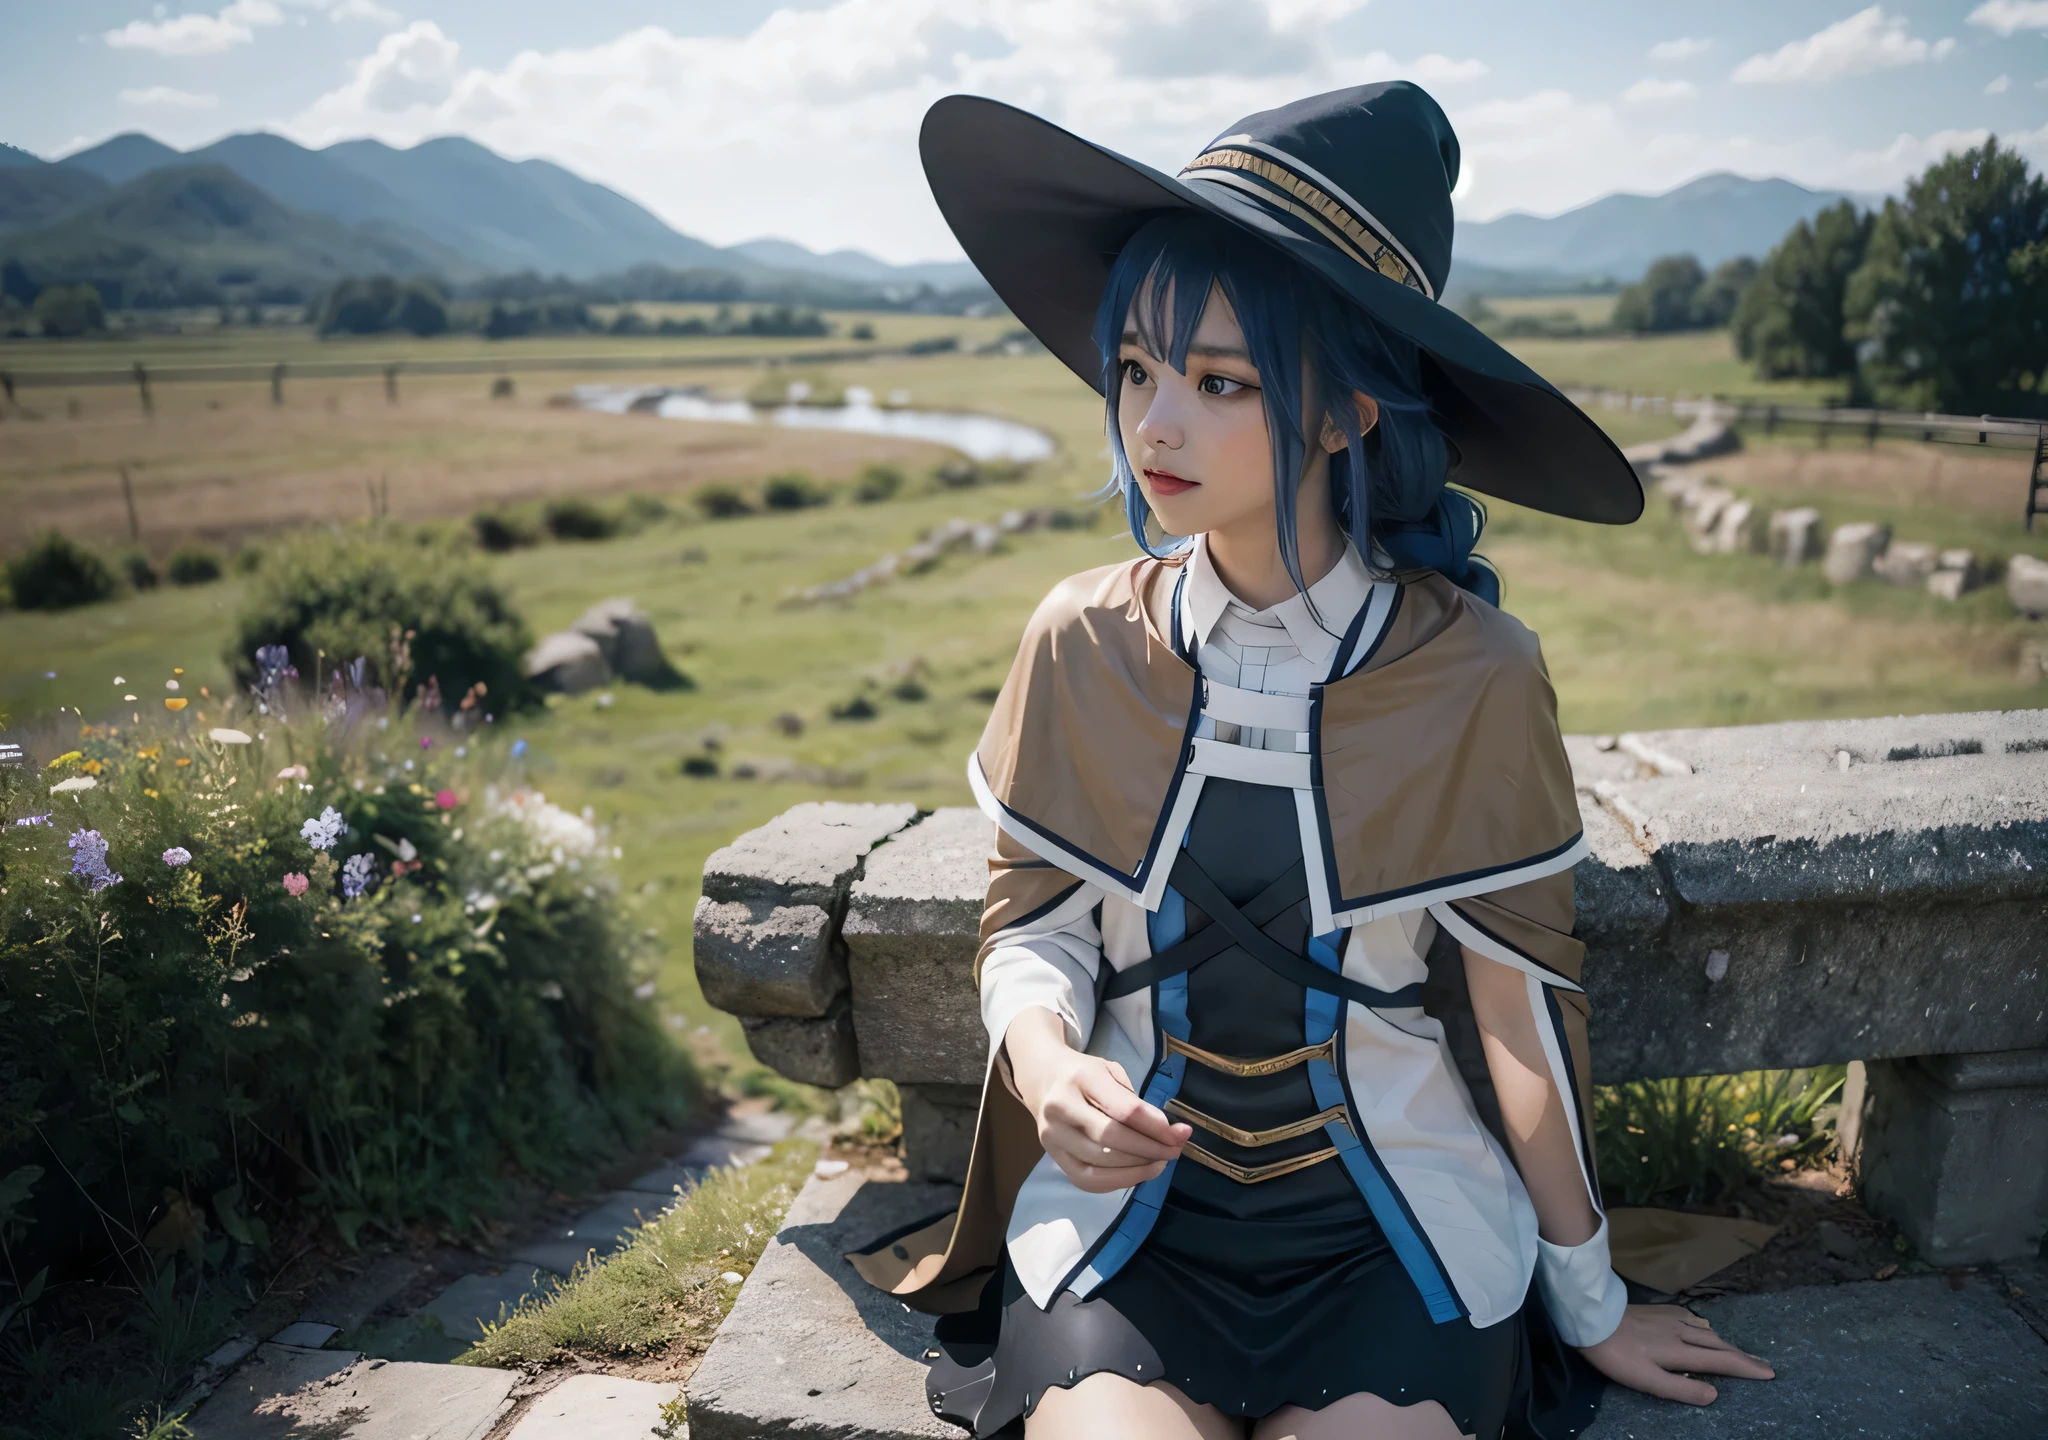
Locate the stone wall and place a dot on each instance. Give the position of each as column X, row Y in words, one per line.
column 1757, row 897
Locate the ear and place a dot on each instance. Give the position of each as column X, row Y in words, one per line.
column 1368, row 416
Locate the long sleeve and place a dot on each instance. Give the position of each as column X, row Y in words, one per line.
column 1523, row 969
column 1040, row 945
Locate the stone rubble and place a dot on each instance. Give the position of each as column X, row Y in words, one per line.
column 612, row 640
column 956, row 535
column 1853, row 550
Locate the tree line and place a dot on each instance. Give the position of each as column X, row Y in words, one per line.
column 1938, row 301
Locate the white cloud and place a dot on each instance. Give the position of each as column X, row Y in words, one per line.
column 1651, row 90
column 197, row 34
column 1868, row 40
column 1683, row 48
column 806, row 125
column 1999, row 86
column 168, row 98
column 2009, row 17
column 368, row 10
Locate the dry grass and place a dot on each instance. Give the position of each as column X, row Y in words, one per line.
column 217, row 462
column 663, row 1292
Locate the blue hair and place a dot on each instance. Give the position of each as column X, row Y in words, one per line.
column 1387, row 485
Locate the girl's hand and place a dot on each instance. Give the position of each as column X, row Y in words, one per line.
column 1090, row 1120
column 1658, row 1344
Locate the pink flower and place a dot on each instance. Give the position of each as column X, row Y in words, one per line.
column 447, row 800
column 426, row 742
column 295, row 884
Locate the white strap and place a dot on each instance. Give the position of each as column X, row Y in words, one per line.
column 1473, row 938
column 1254, row 708
column 1226, row 761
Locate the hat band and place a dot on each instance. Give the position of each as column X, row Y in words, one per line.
column 1349, row 227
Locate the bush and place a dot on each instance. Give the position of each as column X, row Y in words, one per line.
column 499, row 532
column 353, row 594
column 58, row 574
column 577, row 519
column 376, row 304
column 793, row 490
column 723, row 502
column 877, row 483
column 225, row 1065
column 861, row 331
column 70, row 310
column 641, row 511
column 194, row 566
column 247, row 560
column 1689, row 1140
column 138, row 571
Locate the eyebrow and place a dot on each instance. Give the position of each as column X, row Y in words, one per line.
column 1215, row 352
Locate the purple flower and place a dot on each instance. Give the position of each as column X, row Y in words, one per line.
column 518, row 748
column 33, row 820
column 89, row 860
column 356, row 875
column 177, row 855
column 274, row 663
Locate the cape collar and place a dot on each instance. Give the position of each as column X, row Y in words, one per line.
column 1337, row 598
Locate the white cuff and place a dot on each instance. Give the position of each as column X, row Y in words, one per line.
column 1585, row 1297
column 1036, row 974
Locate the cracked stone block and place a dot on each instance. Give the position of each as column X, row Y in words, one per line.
column 1853, row 550
column 287, row 1392
column 351, row 1301
column 817, row 1052
column 595, row 1407
column 781, row 961
column 938, row 1130
column 305, row 1334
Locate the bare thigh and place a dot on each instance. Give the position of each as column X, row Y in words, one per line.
column 1360, row 1417
column 1109, row 1407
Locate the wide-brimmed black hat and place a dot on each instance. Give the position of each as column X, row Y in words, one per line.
column 1356, row 184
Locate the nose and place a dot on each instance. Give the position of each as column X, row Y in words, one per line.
column 1161, row 428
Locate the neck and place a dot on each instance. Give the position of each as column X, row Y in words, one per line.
column 1247, row 555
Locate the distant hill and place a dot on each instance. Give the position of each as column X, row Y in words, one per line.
column 858, row 265
column 1716, row 217
column 195, row 231
column 35, row 193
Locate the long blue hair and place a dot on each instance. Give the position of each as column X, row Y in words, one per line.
column 1387, row 485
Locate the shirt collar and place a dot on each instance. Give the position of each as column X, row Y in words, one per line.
column 1338, row 597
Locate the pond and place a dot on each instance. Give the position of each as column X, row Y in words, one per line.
column 979, row 437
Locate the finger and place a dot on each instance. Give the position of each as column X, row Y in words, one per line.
column 1124, row 1107
column 1061, row 1141
column 1702, row 1360
column 1098, row 1130
column 1097, row 1181
column 1655, row 1380
column 1120, row 1075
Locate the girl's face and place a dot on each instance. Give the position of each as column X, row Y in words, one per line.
column 1198, row 442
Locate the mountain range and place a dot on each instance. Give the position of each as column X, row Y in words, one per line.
column 262, row 215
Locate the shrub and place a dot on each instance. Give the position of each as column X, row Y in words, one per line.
column 194, row 566
column 138, row 571
column 411, row 608
column 959, row 474
column 217, row 1063
column 792, row 490
column 577, row 519
column 247, row 560
column 1689, row 1140
column 57, row 574
column 723, row 502
column 861, row 331
column 499, row 532
column 876, row 483
column 640, row 511
column 70, row 310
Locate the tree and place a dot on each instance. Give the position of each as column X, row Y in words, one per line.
column 1714, row 305
column 1950, row 306
column 374, row 304
column 1664, row 299
column 1789, row 319
column 70, row 310
column 421, row 310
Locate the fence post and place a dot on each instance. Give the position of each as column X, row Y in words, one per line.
column 391, row 383
column 142, row 388
column 7, row 384
column 277, row 383
column 1771, row 420
column 128, row 495
column 1870, row 435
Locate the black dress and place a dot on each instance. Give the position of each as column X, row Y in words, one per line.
column 1251, row 1297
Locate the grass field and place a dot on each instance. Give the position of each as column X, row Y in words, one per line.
column 1588, row 311
column 1638, row 630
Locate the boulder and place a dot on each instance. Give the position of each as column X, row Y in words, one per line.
column 2026, row 585
column 1703, row 515
column 1795, row 536
column 626, row 637
column 1739, row 530
column 1852, row 549
column 567, row 661
column 1956, row 574
column 1906, row 564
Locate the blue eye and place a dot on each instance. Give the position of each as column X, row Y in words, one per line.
column 1134, row 373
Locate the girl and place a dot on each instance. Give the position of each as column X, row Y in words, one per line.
column 1227, row 1180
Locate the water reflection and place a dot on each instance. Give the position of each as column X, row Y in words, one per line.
column 980, row 437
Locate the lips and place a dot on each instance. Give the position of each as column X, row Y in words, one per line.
column 1165, row 482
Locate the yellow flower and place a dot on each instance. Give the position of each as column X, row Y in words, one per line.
column 152, row 794
column 150, row 754
column 174, row 702
column 184, row 760
column 66, row 758
column 92, row 767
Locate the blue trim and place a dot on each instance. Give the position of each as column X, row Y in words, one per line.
column 1116, row 1245
column 1354, row 1150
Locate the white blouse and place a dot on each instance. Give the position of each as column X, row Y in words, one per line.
column 1407, row 1097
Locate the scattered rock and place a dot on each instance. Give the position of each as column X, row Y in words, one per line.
column 1906, row 564
column 2033, row 661
column 1739, row 530
column 626, row 636
column 1852, row 550
column 1703, row 515
column 568, row 662
column 790, row 723
column 1795, row 537
column 2026, row 585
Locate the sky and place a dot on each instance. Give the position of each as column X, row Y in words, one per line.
column 737, row 119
